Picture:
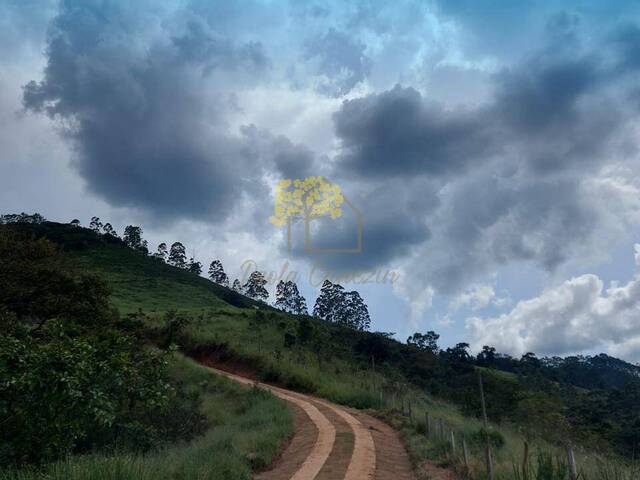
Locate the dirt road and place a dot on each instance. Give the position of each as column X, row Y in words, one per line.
column 333, row 442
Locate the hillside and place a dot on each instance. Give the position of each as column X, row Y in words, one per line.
column 215, row 325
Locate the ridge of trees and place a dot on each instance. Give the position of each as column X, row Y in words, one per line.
column 334, row 304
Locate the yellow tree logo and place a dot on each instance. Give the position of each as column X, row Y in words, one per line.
column 305, row 200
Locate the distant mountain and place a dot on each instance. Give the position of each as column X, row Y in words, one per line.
column 592, row 372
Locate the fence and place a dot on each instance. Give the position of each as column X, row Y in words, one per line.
column 438, row 429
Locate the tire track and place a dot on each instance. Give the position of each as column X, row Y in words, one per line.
column 371, row 439
column 326, row 431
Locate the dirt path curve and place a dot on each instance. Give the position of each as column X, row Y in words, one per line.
column 332, row 442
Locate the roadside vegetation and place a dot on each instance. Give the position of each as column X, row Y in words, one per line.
column 527, row 400
column 84, row 394
column 244, row 431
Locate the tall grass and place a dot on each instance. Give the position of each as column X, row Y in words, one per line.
column 338, row 378
column 247, row 428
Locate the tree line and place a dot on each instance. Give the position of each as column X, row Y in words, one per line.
column 334, row 304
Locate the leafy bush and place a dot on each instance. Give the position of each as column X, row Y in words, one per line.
column 61, row 392
column 495, row 438
column 74, row 377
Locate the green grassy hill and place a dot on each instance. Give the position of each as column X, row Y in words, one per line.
column 366, row 370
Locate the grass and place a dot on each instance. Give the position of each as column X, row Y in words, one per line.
column 262, row 346
column 248, row 427
column 224, row 322
column 139, row 282
column 546, row 461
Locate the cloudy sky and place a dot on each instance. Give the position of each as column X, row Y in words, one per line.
column 491, row 147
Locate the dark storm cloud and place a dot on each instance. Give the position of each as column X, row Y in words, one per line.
column 539, row 108
column 398, row 132
column 512, row 173
column 491, row 221
column 341, row 59
column 143, row 99
column 626, row 43
column 543, row 96
column 393, row 221
column 213, row 51
column 289, row 160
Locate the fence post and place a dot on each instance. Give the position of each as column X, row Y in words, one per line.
column 465, row 454
column 525, row 462
column 571, row 459
column 453, row 443
column 487, row 450
column 427, row 420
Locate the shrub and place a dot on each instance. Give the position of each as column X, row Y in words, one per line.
column 73, row 376
column 495, row 438
column 61, row 393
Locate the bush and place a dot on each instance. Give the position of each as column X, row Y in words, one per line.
column 61, row 393
column 495, row 438
column 73, row 376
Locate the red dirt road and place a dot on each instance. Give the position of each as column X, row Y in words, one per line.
column 333, row 442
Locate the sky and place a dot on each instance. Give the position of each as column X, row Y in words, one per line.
column 490, row 149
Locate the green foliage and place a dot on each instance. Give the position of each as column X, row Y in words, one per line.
column 496, row 439
column 427, row 341
column 336, row 362
column 133, row 238
column 61, row 392
column 174, row 326
column 74, row 376
column 547, row 466
column 249, row 428
column 138, row 283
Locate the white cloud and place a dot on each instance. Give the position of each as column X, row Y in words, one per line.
column 477, row 298
column 576, row 316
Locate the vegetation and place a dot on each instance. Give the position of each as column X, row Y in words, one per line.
column 217, row 275
column 288, row 298
column 545, row 402
column 336, row 305
column 77, row 378
column 74, row 377
column 247, row 428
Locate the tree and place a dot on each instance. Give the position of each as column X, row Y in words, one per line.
column 237, row 286
column 354, row 312
column 194, row 266
column 133, row 239
column 161, row 252
column 217, row 275
column 75, row 222
column 74, row 375
column 108, row 229
column 345, row 308
column 530, row 362
column 178, row 255
column 328, row 300
column 95, row 224
column 254, row 288
column 35, row 218
column 288, row 298
column 375, row 347
column 459, row 352
column 487, row 356
column 310, row 198
column 427, row 341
